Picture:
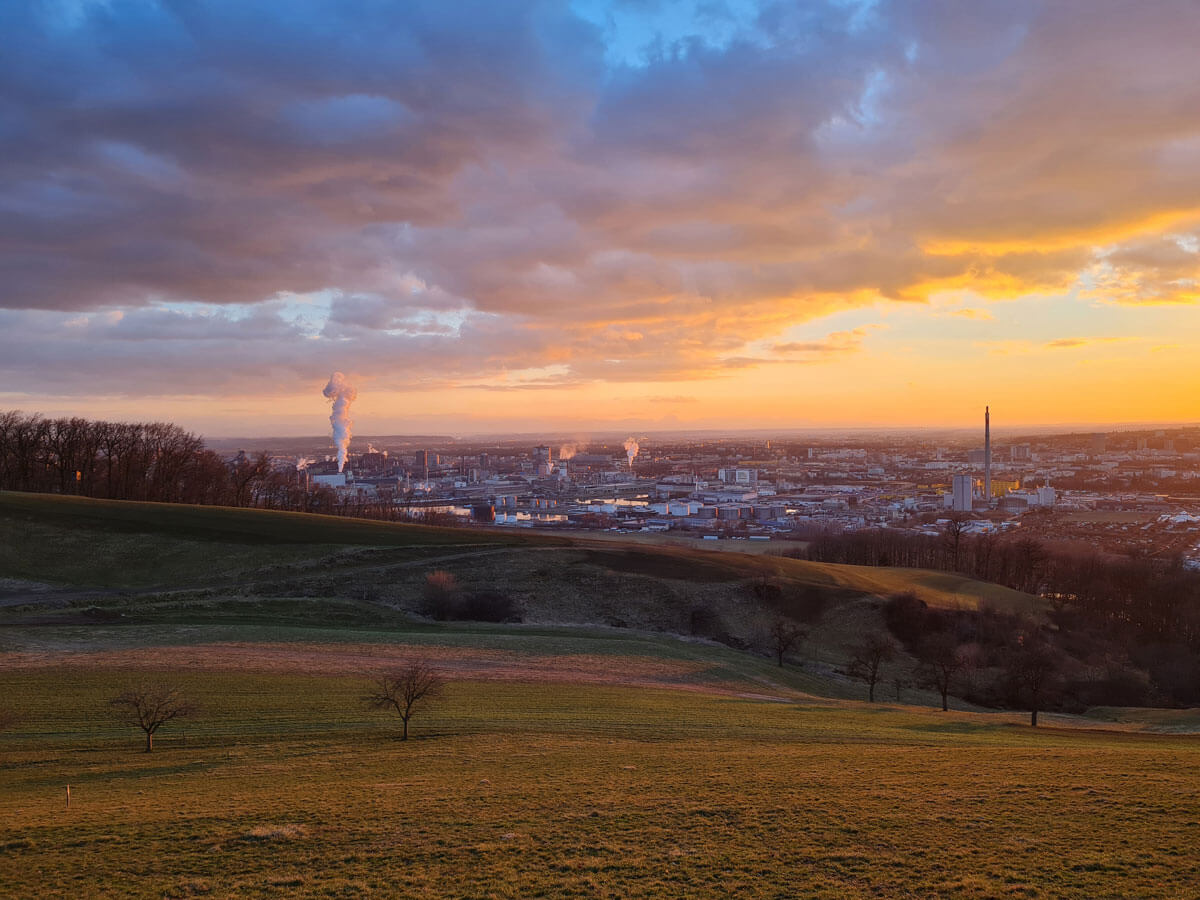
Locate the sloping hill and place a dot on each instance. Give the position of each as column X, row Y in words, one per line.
column 70, row 561
column 226, row 524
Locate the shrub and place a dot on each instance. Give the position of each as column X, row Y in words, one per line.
column 488, row 606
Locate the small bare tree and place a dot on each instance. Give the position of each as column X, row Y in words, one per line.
column 404, row 689
column 867, row 660
column 785, row 636
column 1036, row 671
column 940, row 662
column 150, row 707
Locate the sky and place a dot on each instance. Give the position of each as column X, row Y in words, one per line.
column 642, row 214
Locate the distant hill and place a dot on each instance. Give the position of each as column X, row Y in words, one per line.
column 149, row 562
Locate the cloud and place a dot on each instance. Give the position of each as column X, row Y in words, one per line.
column 836, row 343
column 484, row 188
column 979, row 315
column 1074, row 343
column 1007, row 347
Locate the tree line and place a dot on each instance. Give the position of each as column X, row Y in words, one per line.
column 161, row 462
column 148, row 706
column 1133, row 623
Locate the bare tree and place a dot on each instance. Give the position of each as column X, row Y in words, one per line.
column 956, row 526
column 1035, row 672
column 785, row 636
column 151, row 706
column 404, row 689
column 941, row 660
column 868, row 658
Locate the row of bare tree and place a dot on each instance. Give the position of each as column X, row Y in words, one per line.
column 132, row 461
column 157, row 461
column 1137, row 601
column 153, row 461
column 150, row 706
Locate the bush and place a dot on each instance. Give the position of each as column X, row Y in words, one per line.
column 907, row 616
column 441, row 595
column 444, row 601
column 703, row 621
column 488, row 606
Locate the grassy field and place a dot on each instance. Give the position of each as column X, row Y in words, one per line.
column 106, row 544
column 288, row 786
column 74, row 541
column 568, row 757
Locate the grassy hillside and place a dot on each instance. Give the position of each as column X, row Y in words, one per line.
column 224, row 524
column 589, row 752
column 550, row 786
column 99, row 543
column 73, row 563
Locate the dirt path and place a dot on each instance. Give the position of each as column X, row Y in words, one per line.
column 368, row 659
column 15, row 592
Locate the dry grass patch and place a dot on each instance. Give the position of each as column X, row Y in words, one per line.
column 289, row 832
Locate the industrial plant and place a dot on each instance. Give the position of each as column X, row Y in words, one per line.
column 1125, row 490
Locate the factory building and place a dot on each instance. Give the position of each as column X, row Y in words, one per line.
column 962, row 493
column 542, row 462
column 738, row 476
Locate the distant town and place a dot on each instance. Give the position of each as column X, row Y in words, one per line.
column 1133, row 493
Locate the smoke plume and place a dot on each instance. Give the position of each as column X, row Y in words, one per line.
column 631, row 450
column 303, row 463
column 566, row 451
column 342, row 393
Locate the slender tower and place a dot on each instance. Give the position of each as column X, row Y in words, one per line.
column 987, row 455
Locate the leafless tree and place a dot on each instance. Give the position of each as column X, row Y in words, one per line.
column 868, row 658
column 1030, row 560
column 406, row 688
column 785, row 637
column 1035, row 672
column 151, row 706
column 941, row 660
column 955, row 527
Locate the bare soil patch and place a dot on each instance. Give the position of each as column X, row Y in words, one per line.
column 366, row 659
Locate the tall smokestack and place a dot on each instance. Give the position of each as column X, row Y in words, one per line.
column 987, row 454
column 342, row 393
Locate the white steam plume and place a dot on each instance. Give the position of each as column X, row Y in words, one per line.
column 631, row 450
column 342, row 393
column 303, row 463
column 566, row 451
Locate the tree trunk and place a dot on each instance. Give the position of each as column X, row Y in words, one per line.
column 404, row 737
column 945, row 704
column 149, row 741
column 1033, row 718
column 871, row 692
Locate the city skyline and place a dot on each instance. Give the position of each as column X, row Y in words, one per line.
column 561, row 217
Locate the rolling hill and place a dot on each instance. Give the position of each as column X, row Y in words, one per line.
column 607, row 746
column 76, row 561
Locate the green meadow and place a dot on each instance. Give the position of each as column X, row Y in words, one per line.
column 568, row 756
column 287, row 786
